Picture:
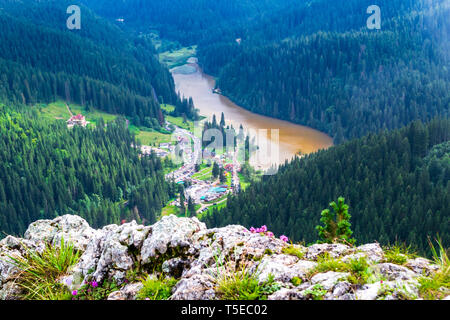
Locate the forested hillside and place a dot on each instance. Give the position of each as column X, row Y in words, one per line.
column 97, row 66
column 47, row 170
column 320, row 66
column 312, row 62
column 185, row 21
column 396, row 184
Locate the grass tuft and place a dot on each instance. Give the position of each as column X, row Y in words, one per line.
column 437, row 286
column 293, row 251
column 157, row 289
column 398, row 254
column 40, row 272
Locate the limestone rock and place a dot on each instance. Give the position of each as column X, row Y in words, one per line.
column 197, row 257
column 341, row 291
column 421, row 266
column 197, row 287
column 111, row 253
column 173, row 233
column 329, row 279
column 368, row 291
column 372, row 251
column 287, row 294
column 392, row 271
column 69, row 227
column 283, row 268
column 129, row 292
column 334, row 250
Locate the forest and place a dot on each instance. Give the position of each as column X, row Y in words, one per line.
column 335, row 74
column 313, row 63
column 97, row 66
column 396, row 184
column 47, row 170
column 187, row 22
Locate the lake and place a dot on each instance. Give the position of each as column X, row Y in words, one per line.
column 275, row 148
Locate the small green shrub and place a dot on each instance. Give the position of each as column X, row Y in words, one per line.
column 359, row 269
column 327, row 263
column 317, row 292
column 293, row 251
column 296, row 281
column 398, row 254
column 241, row 285
column 40, row 272
column 157, row 289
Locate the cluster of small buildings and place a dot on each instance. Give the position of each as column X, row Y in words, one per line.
column 147, row 150
column 78, row 120
column 205, row 193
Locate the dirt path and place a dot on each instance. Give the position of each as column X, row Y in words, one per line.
column 68, row 109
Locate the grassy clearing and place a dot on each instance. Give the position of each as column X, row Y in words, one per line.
column 168, row 210
column 218, row 206
column 178, row 121
column 203, row 174
column 152, row 138
column 245, row 183
column 58, row 110
column 175, row 58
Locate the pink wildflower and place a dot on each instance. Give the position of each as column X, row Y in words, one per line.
column 74, row 292
column 252, row 230
column 94, row 284
column 263, row 228
column 284, row 238
column 269, row 234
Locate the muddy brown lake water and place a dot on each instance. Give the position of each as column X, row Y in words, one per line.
column 190, row 81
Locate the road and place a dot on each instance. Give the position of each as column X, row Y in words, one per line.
column 192, row 155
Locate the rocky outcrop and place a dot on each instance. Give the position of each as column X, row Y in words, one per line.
column 198, row 257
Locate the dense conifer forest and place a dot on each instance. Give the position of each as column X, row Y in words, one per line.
column 313, row 62
column 47, row 170
column 97, row 66
column 396, row 184
column 333, row 73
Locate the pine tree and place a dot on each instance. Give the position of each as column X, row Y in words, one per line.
column 336, row 224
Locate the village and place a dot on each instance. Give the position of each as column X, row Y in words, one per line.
column 195, row 166
column 195, row 170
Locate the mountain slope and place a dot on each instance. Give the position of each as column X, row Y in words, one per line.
column 99, row 65
column 396, row 183
column 336, row 75
column 47, row 170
